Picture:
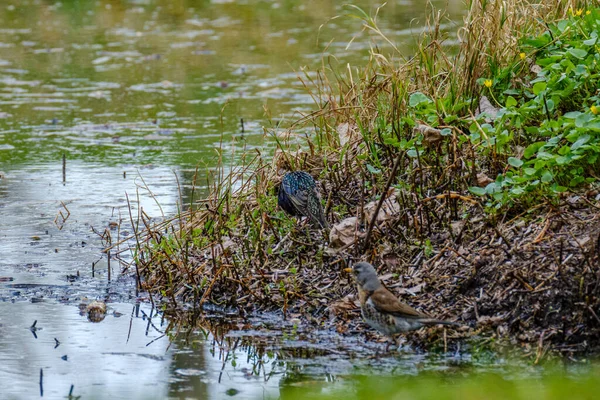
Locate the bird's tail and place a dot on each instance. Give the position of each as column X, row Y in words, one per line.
column 440, row 322
column 315, row 210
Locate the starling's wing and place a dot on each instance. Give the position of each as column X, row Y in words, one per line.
column 386, row 302
column 299, row 199
column 315, row 209
column 284, row 201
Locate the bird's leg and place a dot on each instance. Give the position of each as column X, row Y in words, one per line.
column 397, row 340
column 390, row 340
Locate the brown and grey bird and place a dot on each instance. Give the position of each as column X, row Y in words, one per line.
column 384, row 311
column 298, row 196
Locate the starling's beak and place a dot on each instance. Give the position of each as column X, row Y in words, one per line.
column 349, row 270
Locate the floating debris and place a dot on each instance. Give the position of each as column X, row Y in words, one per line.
column 96, row 311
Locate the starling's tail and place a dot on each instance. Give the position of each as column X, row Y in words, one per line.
column 315, row 210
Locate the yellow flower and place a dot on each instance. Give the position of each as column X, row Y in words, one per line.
column 579, row 12
column 522, row 55
column 488, row 83
column 595, row 110
column 588, row 12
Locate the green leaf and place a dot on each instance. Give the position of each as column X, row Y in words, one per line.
column 510, row 102
column 373, row 170
column 446, row 132
column 391, row 141
column 476, row 190
column 492, row 188
column 532, row 149
column 544, row 155
column 582, row 120
column 539, row 87
column 572, row 114
column 515, row 162
column 417, row 99
column 581, row 69
column 539, row 41
column 412, row 153
column 557, row 188
column 581, row 141
column 547, row 177
column 563, row 24
column 577, row 53
column 590, row 42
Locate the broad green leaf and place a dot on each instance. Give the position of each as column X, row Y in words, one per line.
column 515, row 162
column 539, row 88
column 477, row 190
column 572, row 114
column 547, row 177
column 530, row 171
column 539, row 41
column 563, row 24
column 578, row 53
column 581, row 69
column 581, row 141
column 510, row 102
column 417, row 99
column 561, row 160
column 532, row 149
column 582, row 120
column 491, row 188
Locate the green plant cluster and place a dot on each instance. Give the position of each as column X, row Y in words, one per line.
column 547, row 130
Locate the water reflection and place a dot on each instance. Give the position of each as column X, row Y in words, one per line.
column 167, row 79
column 98, row 359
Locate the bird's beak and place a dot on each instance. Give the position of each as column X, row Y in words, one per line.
column 349, row 270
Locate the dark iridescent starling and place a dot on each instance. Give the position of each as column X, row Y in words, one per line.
column 298, row 196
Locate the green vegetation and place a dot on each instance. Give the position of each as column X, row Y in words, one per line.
column 448, row 386
column 548, row 101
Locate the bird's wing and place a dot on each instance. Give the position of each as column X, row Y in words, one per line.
column 299, row 199
column 315, row 209
column 386, row 302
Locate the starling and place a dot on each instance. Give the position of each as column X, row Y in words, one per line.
column 298, row 196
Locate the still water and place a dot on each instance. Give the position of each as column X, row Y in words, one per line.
column 106, row 109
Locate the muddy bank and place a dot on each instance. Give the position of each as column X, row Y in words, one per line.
column 532, row 280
